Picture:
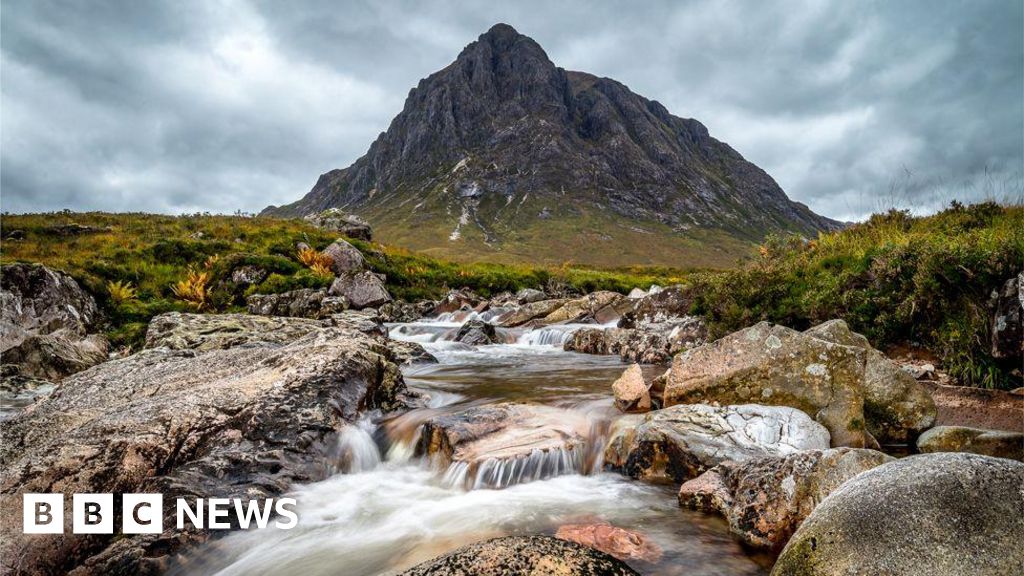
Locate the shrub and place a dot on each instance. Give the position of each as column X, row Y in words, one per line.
column 193, row 289
column 121, row 292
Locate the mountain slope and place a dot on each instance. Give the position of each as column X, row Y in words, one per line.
column 504, row 156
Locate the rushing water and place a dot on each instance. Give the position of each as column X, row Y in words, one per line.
column 384, row 510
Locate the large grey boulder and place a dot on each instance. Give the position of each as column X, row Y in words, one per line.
column 684, row 441
column 523, row 556
column 361, row 289
column 45, row 320
column 344, row 257
column 646, row 343
column 247, row 421
column 766, row 499
column 998, row 443
column 949, row 514
column 477, row 333
column 828, row 372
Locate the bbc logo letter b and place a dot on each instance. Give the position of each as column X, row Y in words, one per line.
column 43, row 514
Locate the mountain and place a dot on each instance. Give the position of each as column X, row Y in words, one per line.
column 503, row 156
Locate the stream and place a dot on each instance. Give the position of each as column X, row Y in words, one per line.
column 385, row 511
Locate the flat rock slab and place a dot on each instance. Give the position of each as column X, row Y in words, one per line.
column 523, row 556
column 243, row 422
column 949, row 514
column 684, row 441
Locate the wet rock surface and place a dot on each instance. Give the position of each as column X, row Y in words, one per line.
column 766, row 499
column 244, row 421
column 618, row 542
column 825, row 372
column 496, row 445
column 684, row 441
column 523, row 556
column 477, row 333
column 998, row 443
column 950, row 514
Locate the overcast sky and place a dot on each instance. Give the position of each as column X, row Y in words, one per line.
column 220, row 106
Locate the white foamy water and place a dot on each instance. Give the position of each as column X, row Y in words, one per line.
column 389, row 510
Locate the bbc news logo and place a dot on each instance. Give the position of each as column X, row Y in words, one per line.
column 143, row 513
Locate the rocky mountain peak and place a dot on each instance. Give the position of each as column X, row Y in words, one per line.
column 504, row 154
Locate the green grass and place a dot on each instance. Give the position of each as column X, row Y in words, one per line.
column 150, row 253
column 897, row 279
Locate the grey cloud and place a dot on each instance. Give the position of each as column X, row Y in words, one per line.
column 172, row 107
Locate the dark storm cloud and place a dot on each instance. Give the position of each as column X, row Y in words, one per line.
column 851, row 106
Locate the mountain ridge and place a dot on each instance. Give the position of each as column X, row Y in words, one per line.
column 502, row 155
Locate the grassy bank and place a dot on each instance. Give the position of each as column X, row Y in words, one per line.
column 139, row 265
column 900, row 280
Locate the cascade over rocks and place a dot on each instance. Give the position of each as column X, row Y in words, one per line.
column 361, row 289
column 301, row 303
column 766, row 499
column 998, row 443
column 497, row 445
column 949, row 514
column 684, row 441
column 45, row 319
column 828, row 372
column 523, row 556
column 244, row 419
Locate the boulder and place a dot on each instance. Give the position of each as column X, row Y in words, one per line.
column 301, row 303
column 630, row 391
column 54, row 356
column 618, row 542
column 401, row 311
column 45, row 317
column 684, row 441
column 766, row 499
column 582, row 308
column 244, row 422
column 454, row 300
column 335, row 220
column 1008, row 320
column 523, row 556
column 827, row 371
column 477, row 333
column 658, row 305
column 950, row 514
column 529, row 312
column 497, row 445
column 344, row 257
column 647, row 344
column 361, row 289
column 998, row 443
column 529, row 295
column 896, row 406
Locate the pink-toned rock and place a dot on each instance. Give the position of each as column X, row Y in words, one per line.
column 618, row 542
column 630, row 391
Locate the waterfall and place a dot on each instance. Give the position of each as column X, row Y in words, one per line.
column 356, row 449
column 556, row 335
